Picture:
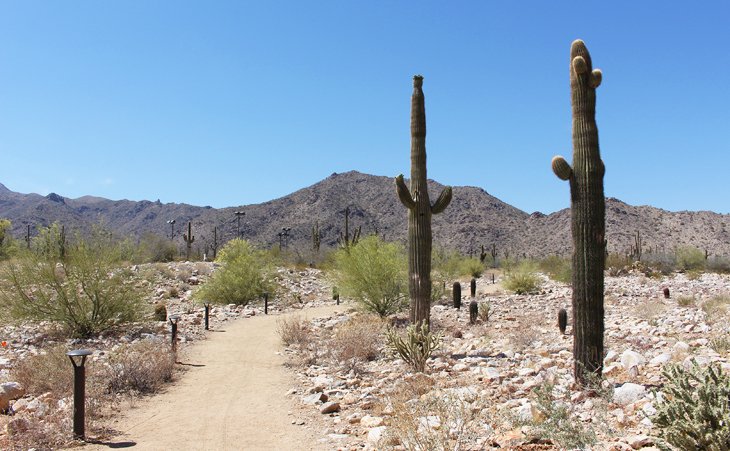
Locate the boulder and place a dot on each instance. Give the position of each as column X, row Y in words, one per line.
column 628, row 393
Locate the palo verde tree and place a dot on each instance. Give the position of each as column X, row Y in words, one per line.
column 588, row 215
column 419, row 211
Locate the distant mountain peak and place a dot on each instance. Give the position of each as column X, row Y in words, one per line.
column 4, row 188
column 53, row 197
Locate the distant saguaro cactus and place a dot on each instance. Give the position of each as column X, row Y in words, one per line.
column 345, row 241
column 215, row 242
column 588, row 213
column 456, row 292
column 316, row 237
column 419, row 211
column 562, row 320
column 189, row 239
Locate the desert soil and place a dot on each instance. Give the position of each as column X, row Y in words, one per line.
column 232, row 397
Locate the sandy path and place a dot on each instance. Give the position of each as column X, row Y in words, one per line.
column 235, row 399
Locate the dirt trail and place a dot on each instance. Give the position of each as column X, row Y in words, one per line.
column 231, row 398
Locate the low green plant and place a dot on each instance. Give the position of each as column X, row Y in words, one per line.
column 693, row 411
column 485, row 311
column 522, row 279
column 720, row 344
column 557, row 268
column 416, row 347
column 472, row 267
column 373, row 273
column 87, row 290
column 554, row 421
column 155, row 248
column 690, row 258
column 686, row 301
column 245, row 275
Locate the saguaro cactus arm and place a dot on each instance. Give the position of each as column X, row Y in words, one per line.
column 561, row 168
column 404, row 194
column 443, row 201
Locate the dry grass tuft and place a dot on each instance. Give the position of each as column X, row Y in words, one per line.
column 358, row 340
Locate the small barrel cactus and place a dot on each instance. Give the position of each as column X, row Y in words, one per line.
column 666, row 293
column 473, row 287
column 562, row 320
column 457, row 295
column 473, row 312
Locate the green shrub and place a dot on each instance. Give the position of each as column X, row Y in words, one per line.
column 690, row 258
column 557, row 268
column 472, row 267
column 245, row 274
column 155, row 248
column 87, row 291
column 557, row 424
column 416, row 347
column 8, row 246
column 693, row 412
column 522, row 279
column 374, row 273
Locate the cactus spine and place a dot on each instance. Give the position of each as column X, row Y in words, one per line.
column 588, row 215
column 189, row 239
column 456, row 292
column 419, row 211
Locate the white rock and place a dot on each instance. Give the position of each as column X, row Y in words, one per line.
column 370, row 421
column 630, row 359
column 628, row 393
column 680, row 347
column 375, row 434
column 8, row 392
column 611, row 356
column 661, row 359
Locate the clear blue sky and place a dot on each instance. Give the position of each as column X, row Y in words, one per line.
column 229, row 103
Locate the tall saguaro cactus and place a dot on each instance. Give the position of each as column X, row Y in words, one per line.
column 588, row 213
column 189, row 239
column 419, row 211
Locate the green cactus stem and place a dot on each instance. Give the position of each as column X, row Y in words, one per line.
column 419, row 207
column 189, row 239
column 473, row 287
column 562, row 320
column 316, row 238
column 345, row 241
column 456, row 293
column 473, row 312
column 588, row 216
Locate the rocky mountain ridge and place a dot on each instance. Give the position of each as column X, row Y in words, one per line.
column 473, row 219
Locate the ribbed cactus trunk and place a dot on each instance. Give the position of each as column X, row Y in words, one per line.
column 419, row 207
column 588, row 212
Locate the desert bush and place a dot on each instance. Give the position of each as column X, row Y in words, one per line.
column 245, row 275
column 416, row 347
column 472, row 267
column 373, row 273
column 49, row 377
column 522, row 279
column 485, row 311
column 357, row 340
column 615, row 262
column 160, row 312
column 690, row 258
column 47, row 372
column 554, row 421
column 155, row 248
column 293, row 331
column 438, row 420
column 693, row 411
column 87, row 291
column 8, row 246
column 559, row 269
column 717, row 308
column 720, row 344
column 718, row 264
column 685, row 301
column 140, row 367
